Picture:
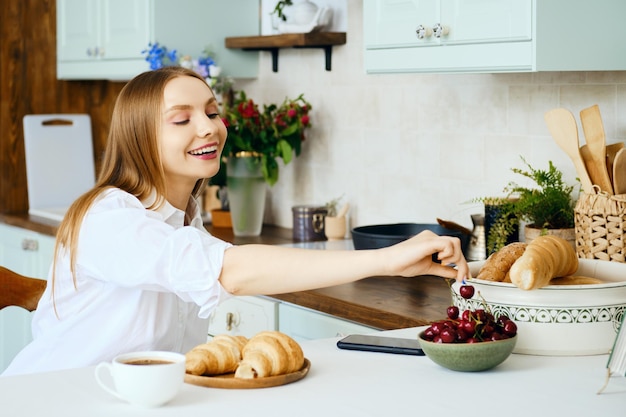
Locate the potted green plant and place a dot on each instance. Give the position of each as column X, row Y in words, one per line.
column 257, row 139
column 279, row 9
column 547, row 207
column 276, row 131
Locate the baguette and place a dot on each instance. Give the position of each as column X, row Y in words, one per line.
column 270, row 353
column 498, row 264
column 545, row 258
column 219, row 356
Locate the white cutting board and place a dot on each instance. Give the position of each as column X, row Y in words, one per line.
column 59, row 161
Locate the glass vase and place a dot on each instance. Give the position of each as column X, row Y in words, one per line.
column 246, row 194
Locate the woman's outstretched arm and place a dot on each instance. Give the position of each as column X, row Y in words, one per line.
column 264, row 269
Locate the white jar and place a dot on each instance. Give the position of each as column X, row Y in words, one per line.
column 303, row 12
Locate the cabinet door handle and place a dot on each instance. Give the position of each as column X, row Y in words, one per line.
column 423, row 32
column 232, row 320
column 30, row 244
column 440, row 30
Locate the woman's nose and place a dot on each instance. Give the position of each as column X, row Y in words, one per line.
column 207, row 127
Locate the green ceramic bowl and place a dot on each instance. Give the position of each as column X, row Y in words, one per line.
column 468, row 357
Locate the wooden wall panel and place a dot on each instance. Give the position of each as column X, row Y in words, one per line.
column 28, row 85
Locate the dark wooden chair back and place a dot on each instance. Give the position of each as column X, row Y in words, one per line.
column 19, row 290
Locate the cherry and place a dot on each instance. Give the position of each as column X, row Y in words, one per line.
column 496, row 336
column 428, row 333
column 469, row 326
column 481, row 315
column 461, row 335
column 453, row 312
column 466, row 291
column 488, row 330
column 448, row 335
column 510, row 328
column 437, row 327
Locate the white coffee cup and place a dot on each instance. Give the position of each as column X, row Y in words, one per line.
column 147, row 379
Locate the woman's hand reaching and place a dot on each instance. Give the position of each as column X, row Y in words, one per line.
column 413, row 257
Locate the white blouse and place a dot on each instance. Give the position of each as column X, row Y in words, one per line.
column 144, row 281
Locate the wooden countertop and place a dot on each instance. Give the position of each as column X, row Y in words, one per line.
column 380, row 302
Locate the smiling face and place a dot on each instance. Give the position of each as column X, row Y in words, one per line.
column 191, row 137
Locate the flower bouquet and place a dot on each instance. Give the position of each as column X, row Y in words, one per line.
column 276, row 131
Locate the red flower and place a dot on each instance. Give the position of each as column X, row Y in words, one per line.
column 248, row 109
column 292, row 113
column 305, row 120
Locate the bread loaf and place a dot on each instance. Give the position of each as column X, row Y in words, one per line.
column 545, row 258
column 270, row 353
column 219, row 356
column 498, row 264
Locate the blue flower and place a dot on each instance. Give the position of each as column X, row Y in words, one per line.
column 158, row 56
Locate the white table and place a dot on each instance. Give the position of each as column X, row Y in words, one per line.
column 348, row 383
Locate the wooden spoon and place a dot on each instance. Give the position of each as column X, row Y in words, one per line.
column 564, row 130
column 619, row 172
column 596, row 143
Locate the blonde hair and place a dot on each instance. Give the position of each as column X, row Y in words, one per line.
column 132, row 161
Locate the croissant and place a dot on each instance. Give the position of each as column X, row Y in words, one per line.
column 270, row 353
column 575, row 280
column 219, row 356
column 545, row 258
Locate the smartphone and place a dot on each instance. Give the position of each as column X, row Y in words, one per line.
column 381, row 344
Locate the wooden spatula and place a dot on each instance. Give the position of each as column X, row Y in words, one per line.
column 611, row 151
column 564, row 130
column 619, row 172
column 594, row 136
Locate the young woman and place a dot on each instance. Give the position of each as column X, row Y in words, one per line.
column 134, row 267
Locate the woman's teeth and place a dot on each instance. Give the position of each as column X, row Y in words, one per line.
column 205, row 150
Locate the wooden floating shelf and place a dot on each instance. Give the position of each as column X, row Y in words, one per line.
column 273, row 43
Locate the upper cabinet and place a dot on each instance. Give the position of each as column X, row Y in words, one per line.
column 104, row 39
column 493, row 35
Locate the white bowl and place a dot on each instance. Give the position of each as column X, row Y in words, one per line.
column 558, row 320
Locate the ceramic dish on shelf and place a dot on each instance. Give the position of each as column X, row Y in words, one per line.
column 558, row 320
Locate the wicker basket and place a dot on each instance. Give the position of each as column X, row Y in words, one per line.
column 600, row 223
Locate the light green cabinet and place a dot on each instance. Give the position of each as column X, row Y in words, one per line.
column 244, row 316
column 493, row 35
column 306, row 324
column 103, row 39
column 27, row 253
column 247, row 316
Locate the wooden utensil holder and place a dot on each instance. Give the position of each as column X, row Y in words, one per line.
column 600, row 227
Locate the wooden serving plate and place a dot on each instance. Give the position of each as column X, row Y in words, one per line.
column 229, row 380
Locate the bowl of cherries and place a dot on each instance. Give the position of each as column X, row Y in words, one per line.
column 469, row 340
